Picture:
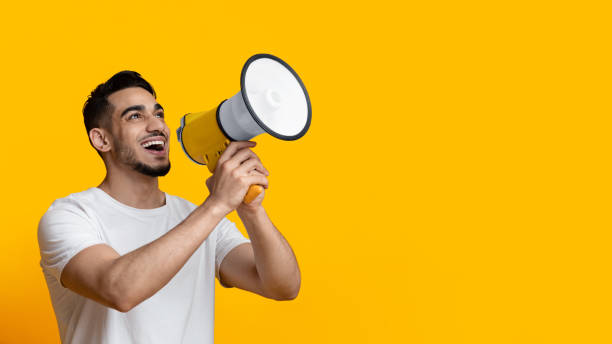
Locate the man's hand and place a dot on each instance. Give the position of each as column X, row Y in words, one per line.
column 237, row 169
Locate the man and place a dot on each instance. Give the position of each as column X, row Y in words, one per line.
column 128, row 263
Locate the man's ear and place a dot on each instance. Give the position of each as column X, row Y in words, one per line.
column 100, row 139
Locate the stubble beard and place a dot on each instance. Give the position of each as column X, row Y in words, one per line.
column 127, row 156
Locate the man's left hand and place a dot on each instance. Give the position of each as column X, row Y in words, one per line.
column 255, row 204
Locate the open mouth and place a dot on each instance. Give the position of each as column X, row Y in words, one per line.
column 155, row 147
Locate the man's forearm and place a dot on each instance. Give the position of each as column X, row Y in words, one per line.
column 138, row 275
column 275, row 261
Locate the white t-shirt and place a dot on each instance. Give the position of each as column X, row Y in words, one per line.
column 181, row 312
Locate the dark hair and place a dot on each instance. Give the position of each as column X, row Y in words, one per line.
column 97, row 109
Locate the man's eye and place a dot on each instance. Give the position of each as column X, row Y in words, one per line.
column 134, row 116
column 160, row 115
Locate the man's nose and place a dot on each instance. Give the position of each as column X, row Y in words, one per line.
column 155, row 123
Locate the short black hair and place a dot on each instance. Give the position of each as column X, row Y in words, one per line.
column 97, row 109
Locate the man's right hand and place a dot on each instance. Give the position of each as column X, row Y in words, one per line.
column 237, row 169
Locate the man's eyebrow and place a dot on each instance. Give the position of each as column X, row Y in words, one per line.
column 132, row 108
column 139, row 108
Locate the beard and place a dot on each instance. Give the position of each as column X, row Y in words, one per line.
column 145, row 169
column 127, row 156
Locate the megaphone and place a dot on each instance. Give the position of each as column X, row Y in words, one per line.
column 272, row 99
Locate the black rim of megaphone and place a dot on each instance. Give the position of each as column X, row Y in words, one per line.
column 252, row 112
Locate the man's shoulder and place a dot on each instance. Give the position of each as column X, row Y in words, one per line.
column 74, row 200
column 73, row 208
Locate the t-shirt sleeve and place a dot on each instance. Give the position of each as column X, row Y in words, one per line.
column 228, row 237
column 63, row 231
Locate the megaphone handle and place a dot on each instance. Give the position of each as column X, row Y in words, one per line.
column 254, row 191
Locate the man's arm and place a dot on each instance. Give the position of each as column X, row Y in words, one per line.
column 122, row 282
column 267, row 266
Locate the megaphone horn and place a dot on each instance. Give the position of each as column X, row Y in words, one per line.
column 272, row 99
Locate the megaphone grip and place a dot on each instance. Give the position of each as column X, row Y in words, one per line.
column 254, row 191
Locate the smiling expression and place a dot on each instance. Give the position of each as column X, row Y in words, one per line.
column 139, row 131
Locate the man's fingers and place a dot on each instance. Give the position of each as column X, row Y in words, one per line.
column 240, row 157
column 251, row 164
column 234, row 147
column 259, row 179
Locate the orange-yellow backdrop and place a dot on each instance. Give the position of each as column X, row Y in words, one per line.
column 454, row 186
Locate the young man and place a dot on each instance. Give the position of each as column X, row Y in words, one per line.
column 128, row 263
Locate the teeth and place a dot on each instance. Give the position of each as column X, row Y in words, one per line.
column 150, row 143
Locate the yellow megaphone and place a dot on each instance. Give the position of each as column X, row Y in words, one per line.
column 272, row 99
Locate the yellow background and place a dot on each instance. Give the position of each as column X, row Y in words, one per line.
column 454, row 186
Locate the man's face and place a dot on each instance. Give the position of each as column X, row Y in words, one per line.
column 140, row 134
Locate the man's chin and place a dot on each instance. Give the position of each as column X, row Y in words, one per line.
column 152, row 171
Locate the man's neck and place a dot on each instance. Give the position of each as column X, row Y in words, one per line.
column 133, row 189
